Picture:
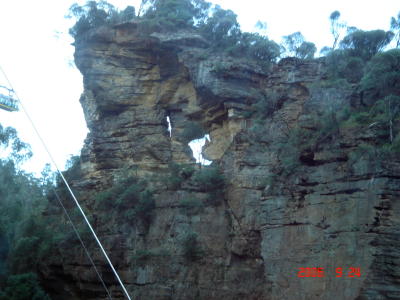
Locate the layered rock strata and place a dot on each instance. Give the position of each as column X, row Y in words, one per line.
column 328, row 212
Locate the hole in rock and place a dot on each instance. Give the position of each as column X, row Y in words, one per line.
column 196, row 146
column 169, row 126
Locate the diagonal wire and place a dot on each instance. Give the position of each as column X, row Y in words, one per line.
column 82, row 243
column 68, row 187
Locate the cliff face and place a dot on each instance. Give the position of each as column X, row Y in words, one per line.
column 327, row 212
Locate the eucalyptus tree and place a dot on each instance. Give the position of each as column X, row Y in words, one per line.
column 395, row 27
column 365, row 44
column 336, row 27
column 296, row 46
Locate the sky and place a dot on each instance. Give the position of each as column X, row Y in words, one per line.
column 36, row 54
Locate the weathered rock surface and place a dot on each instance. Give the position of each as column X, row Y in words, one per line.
column 327, row 213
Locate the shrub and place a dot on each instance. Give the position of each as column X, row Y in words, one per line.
column 306, row 50
column 382, row 75
column 175, row 14
column 257, row 128
column 266, row 106
column 366, row 44
column 91, row 15
column 131, row 195
column 342, row 65
column 255, row 46
column 177, row 174
column 222, row 28
column 24, row 254
column 121, row 194
column 191, row 246
column 145, row 206
column 368, row 156
column 23, row 287
column 191, row 206
column 127, row 14
column 290, row 149
column 209, row 179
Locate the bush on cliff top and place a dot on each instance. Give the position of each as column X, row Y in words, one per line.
column 217, row 25
column 95, row 14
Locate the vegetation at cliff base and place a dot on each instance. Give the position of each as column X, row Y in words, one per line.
column 24, row 236
column 23, row 287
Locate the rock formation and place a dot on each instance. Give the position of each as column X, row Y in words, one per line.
column 328, row 212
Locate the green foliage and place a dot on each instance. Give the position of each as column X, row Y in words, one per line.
column 209, row 179
column 336, row 27
column 72, row 173
column 371, row 157
column 177, row 174
column 258, row 128
column 327, row 125
column 9, row 141
column 395, row 27
column 192, row 131
column 365, row 44
column 266, row 106
column 191, row 206
column 306, row 50
column 145, row 206
column 261, row 110
column 191, row 247
column 302, row 140
column 91, row 15
column 219, row 67
column 289, row 151
column 292, row 42
column 395, row 145
column 381, row 89
column 382, row 76
column 222, row 28
column 296, row 46
column 127, row 14
column 73, row 168
column 255, row 46
column 131, row 196
column 357, row 48
column 217, row 25
column 174, row 14
column 23, row 231
column 23, row 287
column 342, row 65
column 95, row 14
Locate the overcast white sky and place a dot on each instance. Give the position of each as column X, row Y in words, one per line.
column 36, row 53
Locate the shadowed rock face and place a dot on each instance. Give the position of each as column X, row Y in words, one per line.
column 326, row 213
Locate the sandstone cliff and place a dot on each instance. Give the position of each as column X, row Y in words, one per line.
column 327, row 212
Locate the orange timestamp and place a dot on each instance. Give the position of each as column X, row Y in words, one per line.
column 320, row 272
